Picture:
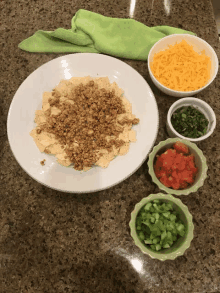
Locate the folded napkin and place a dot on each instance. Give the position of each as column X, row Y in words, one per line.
column 95, row 33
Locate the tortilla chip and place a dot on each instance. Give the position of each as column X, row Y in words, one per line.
column 103, row 82
column 55, row 111
column 127, row 105
column 62, row 160
column 70, row 101
column 64, row 163
column 46, row 97
column 124, row 149
column 132, row 135
column 55, row 149
column 45, row 107
column 64, row 88
column 40, row 117
column 118, row 90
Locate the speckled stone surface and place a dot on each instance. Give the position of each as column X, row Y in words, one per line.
column 56, row 242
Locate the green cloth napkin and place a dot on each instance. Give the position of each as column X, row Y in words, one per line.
column 95, row 33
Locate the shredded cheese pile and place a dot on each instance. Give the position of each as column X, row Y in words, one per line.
column 181, row 68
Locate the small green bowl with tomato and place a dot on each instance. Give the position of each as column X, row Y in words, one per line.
column 162, row 180
column 161, row 226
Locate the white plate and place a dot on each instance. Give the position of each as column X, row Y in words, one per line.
column 28, row 99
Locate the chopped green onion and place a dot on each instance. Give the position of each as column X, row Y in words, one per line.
column 189, row 122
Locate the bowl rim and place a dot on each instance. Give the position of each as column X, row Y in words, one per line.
column 184, row 92
column 201, row 102
column 189, row 190
column 185, row 245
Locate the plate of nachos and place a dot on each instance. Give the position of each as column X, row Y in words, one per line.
column 82, row 122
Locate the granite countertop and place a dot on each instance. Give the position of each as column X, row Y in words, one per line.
column 57, row 242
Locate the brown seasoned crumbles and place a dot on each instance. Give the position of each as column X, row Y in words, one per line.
column 84, row 122
column 43, row 162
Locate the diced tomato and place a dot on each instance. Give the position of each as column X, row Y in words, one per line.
column 190, row 165
column 190, row 158
column 176, row 184
column 157, row 173
column 181, row 147
column 164, row 180
column 168, row 163
column 179, row 158
column 170, row 180
column 160, row 173
column 159, row 162
column 171, row 152
column 181, row 165
column 194, row 170
column 183, row 184
column 175, row 175
column 174, row 168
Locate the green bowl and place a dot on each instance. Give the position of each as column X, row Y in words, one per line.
column 183, row 243
column 200, row 162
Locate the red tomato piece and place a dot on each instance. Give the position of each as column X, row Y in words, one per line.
column 181, row 147
column 175, row 175
column 160, row 173
column 159, row 161
column 190, row 158
column 174, row 168
column 182, row 165
column 183, row 184
column 178, row 158
column 164, row 180
column 176, row 184
column 194, row 171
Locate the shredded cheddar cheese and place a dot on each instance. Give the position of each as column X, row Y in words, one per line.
column 181, row 68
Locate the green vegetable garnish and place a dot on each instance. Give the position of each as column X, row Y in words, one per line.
column 189, row 122
column 158, row 225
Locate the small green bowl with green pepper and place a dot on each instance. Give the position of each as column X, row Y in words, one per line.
column 191, row 119
column 161, row 226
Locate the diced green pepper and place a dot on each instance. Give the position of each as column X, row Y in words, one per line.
column 148, row 241
column 166, row 215
column 141, row 236
column 158, row 225
column 158, row 247
column 152, row 219
column 156, row 201
column 156, row 240
column 153, row 247
column 148, row 206
column 172, row 218
column 166, row 245
column 163, row 235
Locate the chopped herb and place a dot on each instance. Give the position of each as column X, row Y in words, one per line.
column 189, row 122
column 161, row 229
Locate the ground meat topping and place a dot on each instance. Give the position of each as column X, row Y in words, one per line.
column 82, row 127
column 43, row 162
